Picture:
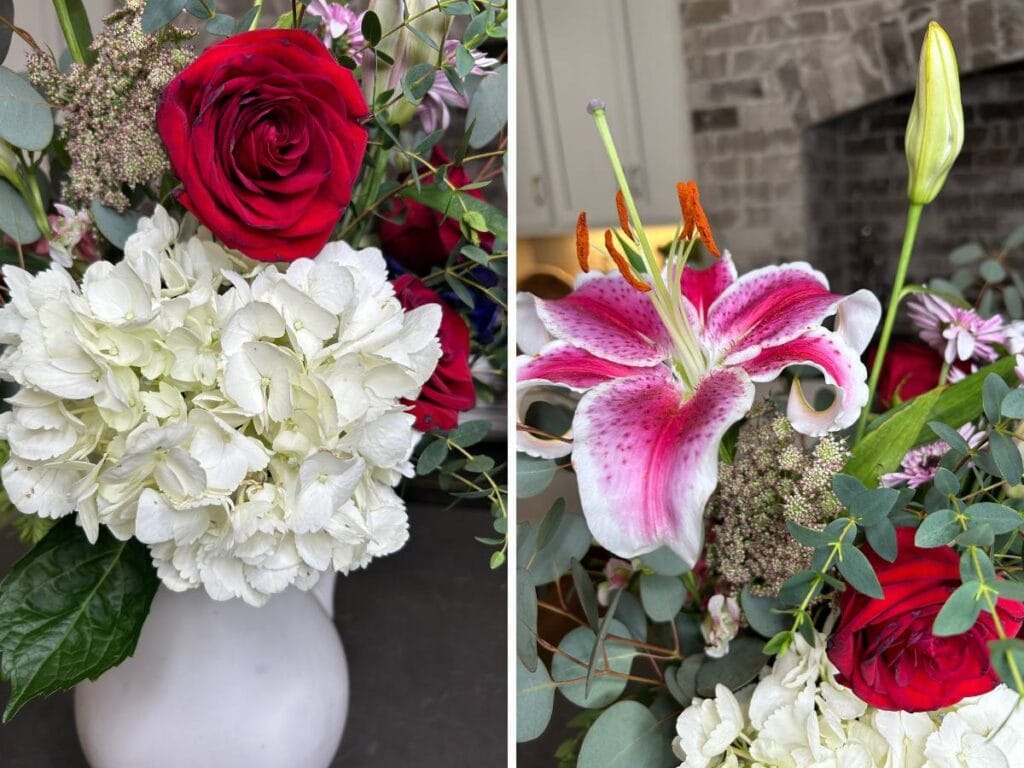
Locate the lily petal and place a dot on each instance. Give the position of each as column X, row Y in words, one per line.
column 843, row 369
column 610, row 319
column 559, row 364
column 703, row 286
column 647, row 459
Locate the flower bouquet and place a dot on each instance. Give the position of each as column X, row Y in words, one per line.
column 253, row 272
column 833, row 580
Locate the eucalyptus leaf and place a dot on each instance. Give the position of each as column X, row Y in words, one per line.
column 432, row 457
column 662, row 596
column 1015, row 239
column 159, row 13
column 992, row 271
column 627, row 735
column 526, row 620
column 682, row 680
column 470, row 432
column 1001, row 651
column 116, row 227
column 1001, row 518
column 221, row 25
column 796, row 587
column 937, row 529
column 808, row 537
column 571, row 539
column 71, row 610
column 960, row 611
column 585, row 592
column 16, row 218
column 488, row 109
column 631, row 613
column 665, row 562
column 25, row 118
column 1006, row 456
column 764, row 614
column 535, row 699
column 569, row 667
column 968, row 253
column 1012, row 406
column 857, row 571
column 734, row 670
column 882, row 538
column 950, row 436
column 992, row 393
column 452, row 203
column 533, row 475
column 417, row 81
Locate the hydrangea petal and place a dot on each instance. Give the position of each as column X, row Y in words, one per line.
column 647, row 458
column 843, row 370
column 610, row 319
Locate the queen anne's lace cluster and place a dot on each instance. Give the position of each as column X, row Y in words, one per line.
column 243, row 421
column 798, row 716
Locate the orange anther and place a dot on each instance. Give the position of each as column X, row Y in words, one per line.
column 620, row 261
column 694, row 219
column 583, row 242
column 620, row 205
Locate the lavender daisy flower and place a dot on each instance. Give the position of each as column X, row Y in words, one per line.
column 959, row 334
column 340, row 23
column 922, row 464
column 433, row 111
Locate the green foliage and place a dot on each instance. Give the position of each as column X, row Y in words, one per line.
column 627, row 735
column 533, row 475
column 70, row 610
column 535, row 698
column 159, row 13
column 488, row 109
column 16, row 217
column 25, row 119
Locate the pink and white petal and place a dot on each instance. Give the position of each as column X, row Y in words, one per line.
column 766, row 307
column 702, row 286
column 843, row 371
column 610, row 319
column 531, row 335
column 647, row 458
column 857, row 317
column 559, row 365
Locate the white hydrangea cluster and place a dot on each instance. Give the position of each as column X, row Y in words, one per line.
column 244, row 420
column 798, row 716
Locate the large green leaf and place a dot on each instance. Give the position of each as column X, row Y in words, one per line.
column 158, row 13
column 906, row 427
column 71, row 610
column 450, row 203
column 627, row 735
column 488, row 111
column 25, row 119
column 535, row 698
column 16, row 219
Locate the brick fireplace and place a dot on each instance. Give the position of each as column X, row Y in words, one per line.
column 799, row 108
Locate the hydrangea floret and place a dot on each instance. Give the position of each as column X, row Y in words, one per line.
column 244, row 420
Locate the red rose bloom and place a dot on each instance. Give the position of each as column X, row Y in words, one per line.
column 418, row 237
column 885, row 650
column 911, row 368
column 264, row 132
column 450, row 389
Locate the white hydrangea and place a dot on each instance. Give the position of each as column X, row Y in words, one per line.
column 798, row 716
column 244, row 420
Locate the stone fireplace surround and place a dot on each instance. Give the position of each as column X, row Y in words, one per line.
column 798, row 110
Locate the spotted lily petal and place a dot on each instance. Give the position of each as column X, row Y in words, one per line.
column 646, row 456
column 843, row 369
column 702, row 286
column 610, row 319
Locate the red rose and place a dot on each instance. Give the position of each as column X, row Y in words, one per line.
column 885, row 650
column 911, row 368
column 450, row 389
column 264, row 132
column 418, row 237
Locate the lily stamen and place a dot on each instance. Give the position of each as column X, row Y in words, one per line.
column 620, row 261
column 620, row 206
column 583, row 242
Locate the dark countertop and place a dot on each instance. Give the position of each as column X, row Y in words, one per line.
column 425, row 635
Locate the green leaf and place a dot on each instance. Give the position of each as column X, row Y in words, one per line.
column 665, row 562
column 993, row 392
column 533, row 475
column 452, row 203
column 882, row 538
column 571, row 539
column 1012, row 590
column 764, row 614
column 116, row 227
column 433, row 456
column 999, row 517
column 473, row 253
column 967, row 254
column 569, row 667
column 992, row 271
column 627, row 735
column 7, row 11
column 535, row 698
column 71, row 610
column 682, row 680
column 882, row 450
column 159, row 13
column 968, row 572
column 417, row 81
column 1014, row 239
column 938, row 529
column 960, row 611
column 808, row 537
column 371, row 28
column 203, row 9
column 796, row 587
column 946, row 483
column 631, row 613
column 950, row 436
column 734, row 670
column 74, row 24
column 488, row 110
column 470, row 432
column 550, row 523
column 1012, row 406
column 251, row 18
column 480, row 464
column 25, row 119
column 980, row 535
column 1006, row 456
column 15, row 217
column 662, row 596
column 847, row 489
column 221, row 25
column 585, row 592
column 1001, row 651
column 874, row 505
column 857, row 571
column 464, row 61
column 526, row 619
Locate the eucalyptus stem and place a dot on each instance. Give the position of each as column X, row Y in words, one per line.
column 909, row 235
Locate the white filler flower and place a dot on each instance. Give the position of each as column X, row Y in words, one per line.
column 244, row 420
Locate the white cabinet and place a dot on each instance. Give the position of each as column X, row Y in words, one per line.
column 628, row 54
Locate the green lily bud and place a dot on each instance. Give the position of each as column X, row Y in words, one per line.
column 935, row 131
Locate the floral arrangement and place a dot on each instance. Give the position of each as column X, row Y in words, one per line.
column 828, row 577
column 249, row 287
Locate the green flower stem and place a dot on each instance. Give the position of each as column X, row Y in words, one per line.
column 851, row 522
column 909, row 235
column 35, row 201
column 1011, row 661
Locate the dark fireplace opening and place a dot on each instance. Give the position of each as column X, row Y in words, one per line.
column 857, row 181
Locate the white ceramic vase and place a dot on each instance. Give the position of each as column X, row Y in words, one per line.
column 222, row 685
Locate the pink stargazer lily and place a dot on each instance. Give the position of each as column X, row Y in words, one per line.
column 663, row 375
